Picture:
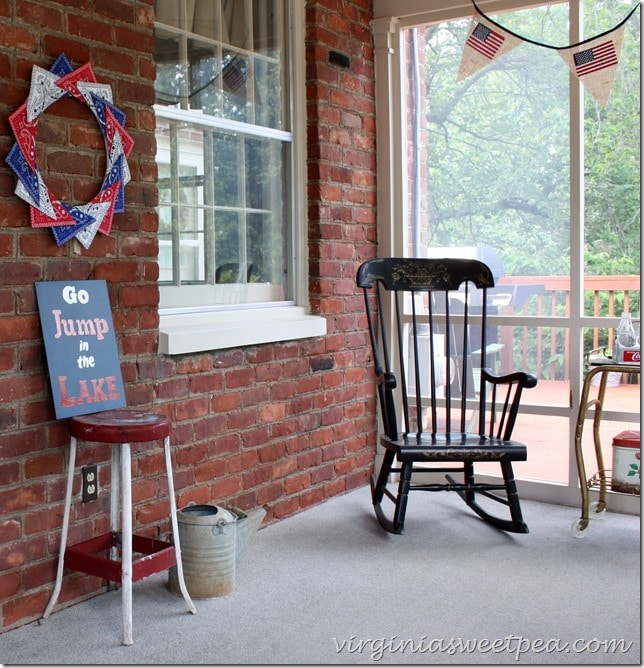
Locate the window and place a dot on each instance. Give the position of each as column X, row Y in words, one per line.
column 231, row 229
column 517, row 166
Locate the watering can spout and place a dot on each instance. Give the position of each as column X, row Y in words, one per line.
column 247, row 525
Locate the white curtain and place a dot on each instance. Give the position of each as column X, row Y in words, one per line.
column 203, row 17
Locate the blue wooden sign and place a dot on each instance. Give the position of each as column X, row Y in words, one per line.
column 82, row 356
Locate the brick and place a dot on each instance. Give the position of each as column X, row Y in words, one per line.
column 240, row 378
column 140, row 246
column 272, row 413
column 224, row 402
column 6, row 245
column 19, row 273
column 118, row 10
column 192, row 408
column 24, row 608
column 272, row 452
column 17, row 38
column 209, row 470
column 311, row 497
column 116, row 271
column 225, row 488
column 269, row 494
column 39, row 244
column 9, row 584
column 285, row 507
column 89, row 28
column 140, row 295
column 297, row 483
column 152, row 512
column 43, row 464
column 14, row 389
column 243, row 461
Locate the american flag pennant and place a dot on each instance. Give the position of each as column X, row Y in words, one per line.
column 593, row 60
column 484, row 43
column 485, row 40
column 595, row 63
column 235, row 74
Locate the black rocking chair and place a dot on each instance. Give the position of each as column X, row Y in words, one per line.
column 442, row 407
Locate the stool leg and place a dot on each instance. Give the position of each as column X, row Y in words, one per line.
column 114, row 505
column 175, row 527
column 63, row 536
column 126, row 539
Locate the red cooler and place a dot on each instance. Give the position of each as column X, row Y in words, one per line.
column 626, row 462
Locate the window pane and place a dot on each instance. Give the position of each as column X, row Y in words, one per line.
column 191, row 169
column 205, row 19
column 235, row 79
column 169, row 12
column 265, row 251
column 612, row 173
column 236, row 25
column 204, row 72
column 219, row 81
column 191, row 244
column 268, row 100
column 228, row 247
column 165, row 244
column 488, row 176
column 491, row 176
column 266, row 22
column 172, row 72
column 263, row 170
column 223, row 215
column 227, row 159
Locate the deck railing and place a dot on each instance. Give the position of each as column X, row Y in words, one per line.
column 547, row 350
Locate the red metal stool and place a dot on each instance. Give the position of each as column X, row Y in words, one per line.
column 120, row 427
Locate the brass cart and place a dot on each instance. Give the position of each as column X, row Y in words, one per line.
column 601, row 479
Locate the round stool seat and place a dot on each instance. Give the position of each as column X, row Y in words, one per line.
column 120, row 426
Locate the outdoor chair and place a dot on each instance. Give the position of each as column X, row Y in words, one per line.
column 443, row 408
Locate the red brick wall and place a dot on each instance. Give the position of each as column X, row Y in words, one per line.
column 284, row 426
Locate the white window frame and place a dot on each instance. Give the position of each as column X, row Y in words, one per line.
column 201, row 328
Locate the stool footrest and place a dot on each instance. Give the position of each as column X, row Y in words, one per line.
column 157, row 556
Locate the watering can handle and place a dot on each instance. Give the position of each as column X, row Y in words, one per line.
column 219, row 527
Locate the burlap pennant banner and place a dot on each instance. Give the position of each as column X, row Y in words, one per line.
column 484, row 43
column 595, row 63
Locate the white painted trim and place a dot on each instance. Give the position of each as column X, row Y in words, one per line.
column 197, row 117
column 299, row 201
column 214, row 330
column 416, row 12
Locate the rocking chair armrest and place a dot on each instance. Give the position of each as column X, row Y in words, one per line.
column 525, row 379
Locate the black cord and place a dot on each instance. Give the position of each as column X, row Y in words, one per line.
column 549, row 46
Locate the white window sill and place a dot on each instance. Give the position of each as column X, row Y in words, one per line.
column 181, row 333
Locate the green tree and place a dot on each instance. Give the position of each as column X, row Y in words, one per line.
column 498, row 148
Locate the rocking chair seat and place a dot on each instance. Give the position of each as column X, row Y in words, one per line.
column 454, row 447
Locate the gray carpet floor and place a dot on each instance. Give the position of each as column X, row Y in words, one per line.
column 329, row 586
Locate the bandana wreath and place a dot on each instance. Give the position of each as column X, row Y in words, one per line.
column 66, row 221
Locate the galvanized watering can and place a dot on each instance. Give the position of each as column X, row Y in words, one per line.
column 213, row 540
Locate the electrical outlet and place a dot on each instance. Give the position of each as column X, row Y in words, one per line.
column 90, row 483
